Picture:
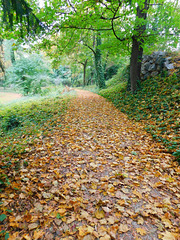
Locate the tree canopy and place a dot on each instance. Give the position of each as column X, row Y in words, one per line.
column 19, row 14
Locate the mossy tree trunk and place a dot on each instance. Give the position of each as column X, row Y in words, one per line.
column 98, row 63
column 137, row 47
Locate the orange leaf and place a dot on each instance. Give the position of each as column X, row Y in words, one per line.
column 38, row 234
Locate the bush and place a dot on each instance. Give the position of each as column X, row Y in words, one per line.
column 11, row 122
column 110, row 71
column 28, row 74
column 66, row 82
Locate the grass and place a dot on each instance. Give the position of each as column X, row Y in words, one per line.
column 156, row 104
column 22, row 123
column 92, row 88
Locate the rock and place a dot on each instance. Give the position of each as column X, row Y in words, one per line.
column 155, row 64
column 152, row 67
column 169, row 65
column 153, row 74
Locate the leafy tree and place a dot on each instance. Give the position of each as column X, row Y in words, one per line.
column 28, row 74
column 20, row 14
column 126, row 20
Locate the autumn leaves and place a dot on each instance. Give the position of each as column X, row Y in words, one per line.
column 95, row 177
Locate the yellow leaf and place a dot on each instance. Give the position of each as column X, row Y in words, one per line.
column 90, row 229
column 83, row 231
column 135, row 192
column 32, row 226
column 111, row 220
column 170, row 236
column 105, row 237
column 38, row 234
column 141, row 231
column 61, row 211
column 166, row 222
column 99, row 214
column 94, row 186
column 27, row 237
column 140, row 220
column 123, row 228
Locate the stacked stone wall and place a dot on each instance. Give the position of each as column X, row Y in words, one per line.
column 158, row 63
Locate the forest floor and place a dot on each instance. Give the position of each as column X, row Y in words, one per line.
column 96, row 175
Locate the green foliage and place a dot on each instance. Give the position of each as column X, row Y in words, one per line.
column 11, row 122
column 156, row 105
column 66, row 82
column 110, row 71
column 121, row 76
column 2, row 217
column 28, row 74
column 20, row 14
column 62, row 74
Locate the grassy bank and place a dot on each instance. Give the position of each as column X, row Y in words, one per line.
column 156, row 104
column 22, row 123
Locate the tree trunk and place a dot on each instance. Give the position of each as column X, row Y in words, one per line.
column 137, row 48
column 135, row 63
column 2, row 65
column 98, row 64
column 84, row 72
column 12, row 56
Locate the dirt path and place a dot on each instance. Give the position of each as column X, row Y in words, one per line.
column 6, row 97
column 97, row 176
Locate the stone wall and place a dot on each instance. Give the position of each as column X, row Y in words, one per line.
column 158, row 63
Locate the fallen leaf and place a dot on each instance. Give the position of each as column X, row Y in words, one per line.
column 38, row 234
column 123, row 228
column 170, row 236
column 135, row 192
column 142, row 231
column 140, row 220
column 27, row 237
column 99, row 214
column 166, row 222
column 105, row 237
column 32, row 226
column 83, row 231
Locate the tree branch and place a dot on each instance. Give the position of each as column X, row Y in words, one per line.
column 87, row 28
column 69, row 2
column 89, row 48
column 112, row 24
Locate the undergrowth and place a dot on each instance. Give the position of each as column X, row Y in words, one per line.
column 156, row 104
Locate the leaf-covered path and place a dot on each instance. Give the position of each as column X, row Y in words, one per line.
column 97, row 175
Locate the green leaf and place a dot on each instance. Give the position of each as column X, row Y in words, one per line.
column 58, row 216
column 8, row 210
column 6, row 236
column 2, row 217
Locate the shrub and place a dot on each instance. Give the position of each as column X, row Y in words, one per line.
column 11, row 122
column 28, row 74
